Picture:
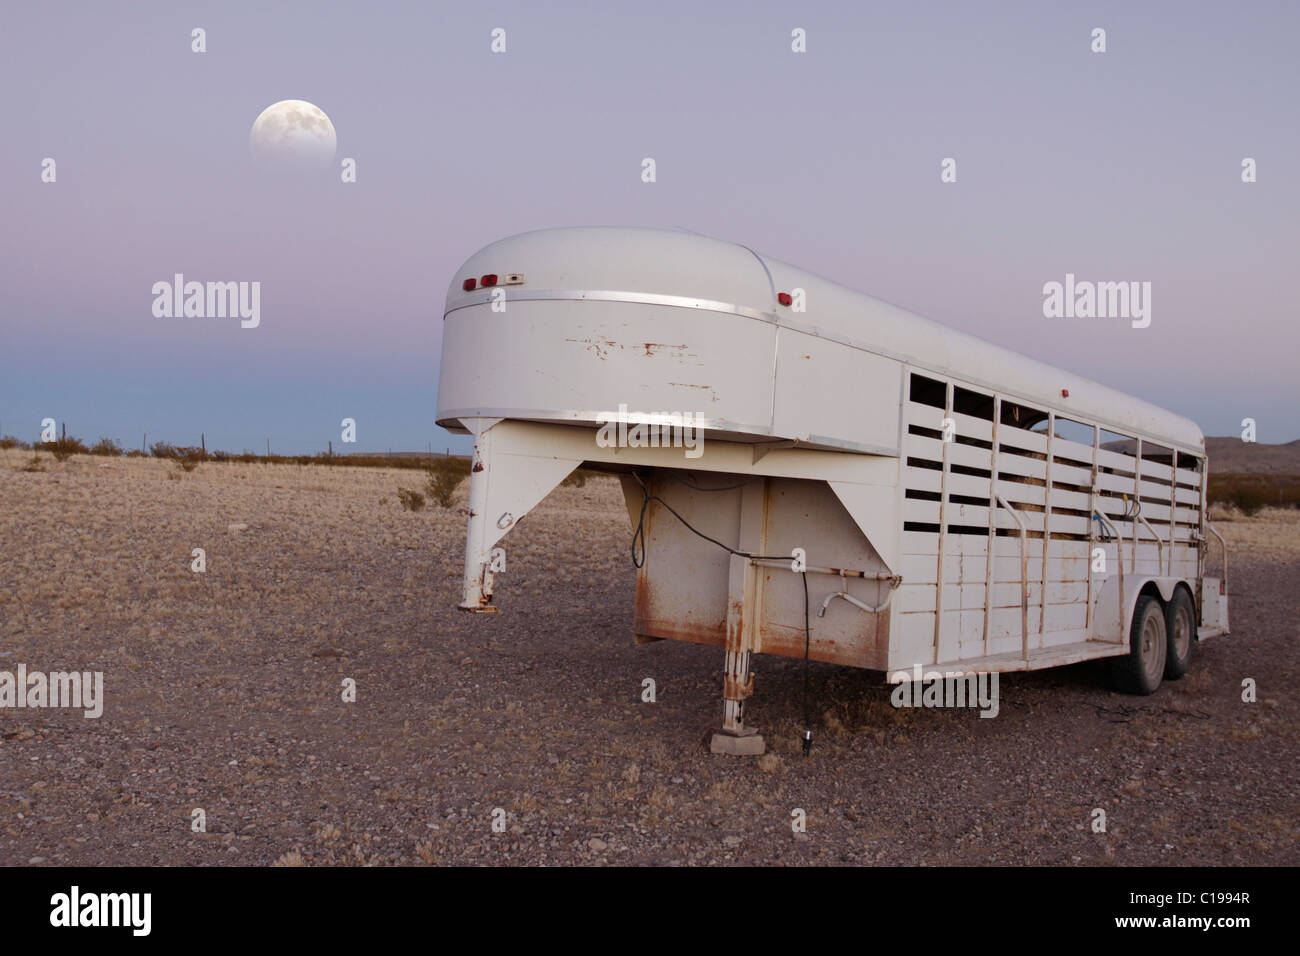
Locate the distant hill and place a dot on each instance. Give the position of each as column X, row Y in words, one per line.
column 1232, row 456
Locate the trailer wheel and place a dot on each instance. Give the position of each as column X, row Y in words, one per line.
column 1142, row 668
column 1182, row 626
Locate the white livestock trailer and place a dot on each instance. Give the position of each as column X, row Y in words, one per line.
column 784, row 442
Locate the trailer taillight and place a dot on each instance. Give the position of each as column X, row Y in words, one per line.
column 489, row 280
column 468, row 285
column 784, row 298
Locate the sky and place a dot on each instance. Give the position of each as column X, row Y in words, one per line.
column 1117, row 166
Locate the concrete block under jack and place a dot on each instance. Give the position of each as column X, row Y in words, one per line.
column 748, row 744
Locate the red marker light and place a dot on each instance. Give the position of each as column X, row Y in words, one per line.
column 1065, row 393
column 468, row 285
column 489, row 279
column 784, row 298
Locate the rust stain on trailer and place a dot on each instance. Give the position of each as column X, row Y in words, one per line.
column 651, row 346
column 869, row 648
column 485, row 606
column 600, row 347
column 713, row 395
column 733, row 689
column 649, row 626
column 675, row 631
column 735, row 623
column 641, row 605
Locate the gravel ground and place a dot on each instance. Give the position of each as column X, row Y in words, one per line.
column 224, row 692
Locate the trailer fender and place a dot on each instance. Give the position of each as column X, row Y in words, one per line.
column 1106, row 623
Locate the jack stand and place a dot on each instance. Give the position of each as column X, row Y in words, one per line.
column 734, row 737
column 744, row 607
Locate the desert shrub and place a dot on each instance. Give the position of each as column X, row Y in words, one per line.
column 34, row 464
column 576, row 479
column 445, row 475
column 410, row 500
column 1255, row 491
column 1249, row 499
column 136, row 453
column 106, row 446
column 9, row 441
column 189, row 458
column 65, row 448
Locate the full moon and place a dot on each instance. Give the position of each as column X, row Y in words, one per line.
column 293, row 133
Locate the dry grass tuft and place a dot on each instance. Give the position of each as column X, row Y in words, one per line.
column 410, row 500
column 769, row 763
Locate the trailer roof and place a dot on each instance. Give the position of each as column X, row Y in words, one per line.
column 681, row 263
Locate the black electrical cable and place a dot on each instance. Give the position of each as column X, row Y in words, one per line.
column 696, row 487
column 640, row 531
column 807, row 642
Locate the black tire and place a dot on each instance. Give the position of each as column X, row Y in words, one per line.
column 1180, row 618
column 1143, row 667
